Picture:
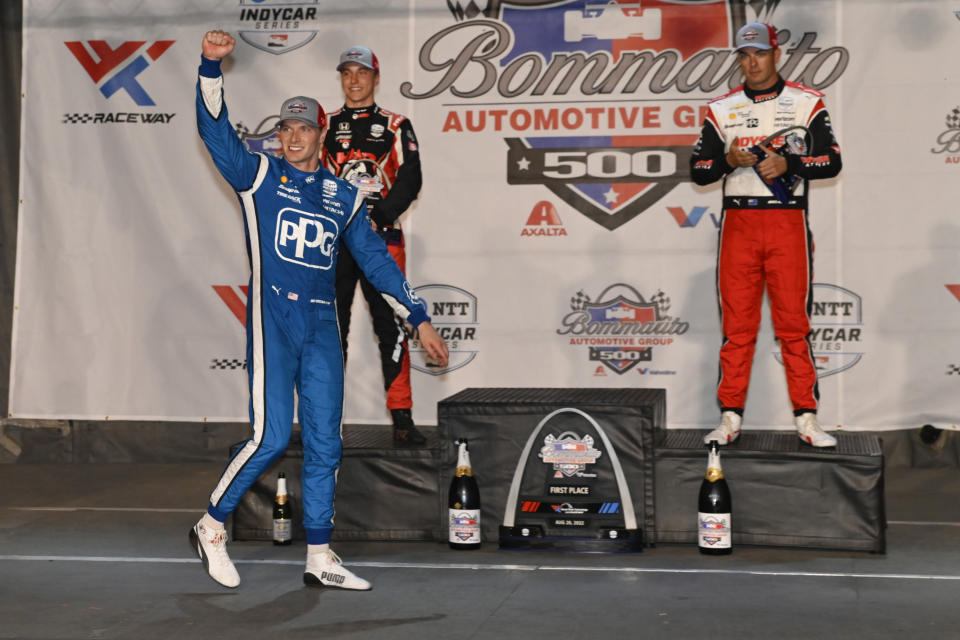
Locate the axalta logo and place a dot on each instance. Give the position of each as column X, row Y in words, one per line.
column 115, row 69
column 560, row 79
column 621, row 328
column 543, row 221
column 306, row 238
column 948, row 141
column 278, row 26
column 836, row 329
column 453, row 313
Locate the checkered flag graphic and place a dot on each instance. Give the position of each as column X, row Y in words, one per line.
column 228, row 363
column 662, row 301
column 77, row 118
column 953, row 369
column 953, row 118
column 469, row 10
column 579, row 301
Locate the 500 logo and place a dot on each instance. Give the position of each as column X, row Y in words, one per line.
column 561, row 79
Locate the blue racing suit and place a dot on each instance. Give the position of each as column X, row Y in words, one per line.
column 295, row 222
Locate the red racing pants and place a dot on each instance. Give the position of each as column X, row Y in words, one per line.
column 394, row 354
column 770, row 248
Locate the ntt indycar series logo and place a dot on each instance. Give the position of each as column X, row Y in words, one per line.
column 278, row 26
column 620, row 328
column 453, row 313
column 600, row 102
column 836, row 329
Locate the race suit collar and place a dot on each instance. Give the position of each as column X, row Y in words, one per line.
column 297, row 176
column 765, row 94
column 373, row 108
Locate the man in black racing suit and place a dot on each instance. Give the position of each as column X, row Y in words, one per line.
column 376, row 150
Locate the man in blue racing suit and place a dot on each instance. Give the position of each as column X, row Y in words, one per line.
column 296, row 215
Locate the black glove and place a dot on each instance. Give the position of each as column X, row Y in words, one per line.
column 381, row 218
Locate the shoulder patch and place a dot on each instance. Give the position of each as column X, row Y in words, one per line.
column 727, row 95
column 805, row 89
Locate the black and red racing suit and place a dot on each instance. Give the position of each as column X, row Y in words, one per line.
column 764, row 242
column 377, row 151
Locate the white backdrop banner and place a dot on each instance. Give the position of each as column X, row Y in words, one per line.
column 557, row 213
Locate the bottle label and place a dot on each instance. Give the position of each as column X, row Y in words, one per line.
column 282, row 530
column 713, row 530
column 464, row 526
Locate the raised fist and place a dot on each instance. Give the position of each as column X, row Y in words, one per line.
column 217, row 45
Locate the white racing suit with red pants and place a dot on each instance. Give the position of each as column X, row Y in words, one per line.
column 765, row 243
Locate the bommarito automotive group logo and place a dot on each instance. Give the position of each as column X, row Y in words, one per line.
column 561, row 82
column 620, row 328
column 948, row 142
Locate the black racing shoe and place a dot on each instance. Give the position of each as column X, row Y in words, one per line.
column 405, row 434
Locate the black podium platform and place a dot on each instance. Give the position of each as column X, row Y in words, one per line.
column 383, row 492
column 499, row 423
column 785, row 492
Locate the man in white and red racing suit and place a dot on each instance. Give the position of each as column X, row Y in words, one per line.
column 765, row 242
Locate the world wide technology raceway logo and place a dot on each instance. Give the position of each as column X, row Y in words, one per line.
column 600, row 103
column 115, row 71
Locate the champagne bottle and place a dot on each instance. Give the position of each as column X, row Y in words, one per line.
column 282, row 529
column 714, row 508
column 464, row 503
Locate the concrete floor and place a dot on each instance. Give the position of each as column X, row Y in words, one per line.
column 100, row 551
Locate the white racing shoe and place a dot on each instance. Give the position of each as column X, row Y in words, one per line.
column 810, row 431
column 325, row 569
column 728, row 431
column 211, row 546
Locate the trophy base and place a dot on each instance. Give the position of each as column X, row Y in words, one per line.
column 607, row 540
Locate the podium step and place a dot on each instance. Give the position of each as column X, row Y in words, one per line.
column 785, row 492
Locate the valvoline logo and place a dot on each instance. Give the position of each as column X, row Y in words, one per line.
column 119, row 67
column 306, row 238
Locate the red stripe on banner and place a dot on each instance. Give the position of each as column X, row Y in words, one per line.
column 157, row 48
column 233, row 301
column 109, row 57
column 954, row 289
column 665, row 140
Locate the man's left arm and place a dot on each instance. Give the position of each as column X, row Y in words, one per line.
column 408, row 180
column 370, row 252
column 823, row 158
